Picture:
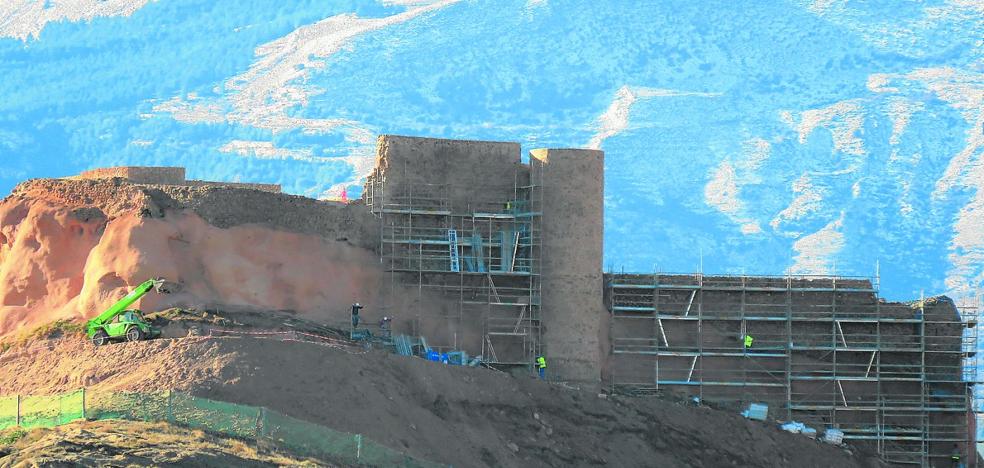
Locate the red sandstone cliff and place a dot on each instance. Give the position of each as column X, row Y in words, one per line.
column 70, row 248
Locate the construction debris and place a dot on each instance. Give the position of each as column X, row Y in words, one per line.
column 756, row 411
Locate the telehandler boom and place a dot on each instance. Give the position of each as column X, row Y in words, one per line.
column 119, row 323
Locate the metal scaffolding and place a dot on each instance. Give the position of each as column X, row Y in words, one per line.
column 825, row 351
column 483, row 257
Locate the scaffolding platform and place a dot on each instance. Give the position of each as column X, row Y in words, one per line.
column 827, row 351
column 484, row 258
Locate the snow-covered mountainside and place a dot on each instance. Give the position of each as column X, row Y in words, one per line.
column 801, row 136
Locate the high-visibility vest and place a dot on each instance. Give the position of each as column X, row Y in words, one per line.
column 541, row 362
column 748, row 341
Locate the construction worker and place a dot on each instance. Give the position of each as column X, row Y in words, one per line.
column 747, row 340
column 541, row 366
column 355, row 314
column 384, row 326
column 955, row 457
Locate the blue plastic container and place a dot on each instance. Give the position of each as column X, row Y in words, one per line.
column 756, row 411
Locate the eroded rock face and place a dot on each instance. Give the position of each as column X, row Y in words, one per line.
column 42, row 253
column 69, row 249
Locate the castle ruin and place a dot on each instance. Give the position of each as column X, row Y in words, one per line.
column 505, row 259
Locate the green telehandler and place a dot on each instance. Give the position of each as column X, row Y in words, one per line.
column 119, row 323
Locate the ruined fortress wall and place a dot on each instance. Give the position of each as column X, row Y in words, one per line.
column 221, row 205
column 139, row 175
column 573, row 313
column 437, row 177
column 273, row 188
column 826, row 352
column 165, row 176
column 467, row 173
column 227, row 206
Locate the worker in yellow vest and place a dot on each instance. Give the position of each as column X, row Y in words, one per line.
column 541, row 366
column 748, row 341
column 955, row 457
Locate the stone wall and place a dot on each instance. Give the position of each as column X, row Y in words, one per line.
column 481, row 176
column 220, row 205
column 826, row 351
column 165, row 176
column 273, row 188
column 574, row 316
column 139, row 175
column 469, row 174
column 226, row 206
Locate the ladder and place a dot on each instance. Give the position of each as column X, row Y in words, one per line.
column 453, row 246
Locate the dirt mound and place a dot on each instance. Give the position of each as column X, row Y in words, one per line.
column 461, row 416
column 70, row 248
column 126, row 443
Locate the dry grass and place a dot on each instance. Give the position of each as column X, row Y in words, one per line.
column 58, row 329
column 128, row 443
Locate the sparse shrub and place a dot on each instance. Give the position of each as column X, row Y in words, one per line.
column 57, row 329
column 10, row 436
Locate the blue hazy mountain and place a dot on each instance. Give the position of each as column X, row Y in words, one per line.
column 762, row 137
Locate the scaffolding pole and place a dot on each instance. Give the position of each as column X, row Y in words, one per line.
column 483, row 256
column 827, row 351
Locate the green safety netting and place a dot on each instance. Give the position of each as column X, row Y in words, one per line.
column 8, row 412
column 308, row 438
column 51, row 411
column 216, row 416
column 133, row 406
column 318, row 441
column 242, row 421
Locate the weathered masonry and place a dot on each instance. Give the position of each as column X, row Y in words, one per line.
column 825, row 351
column 165, row 176
column 502, row 258
column 505, row 256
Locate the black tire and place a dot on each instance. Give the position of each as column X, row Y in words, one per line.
column 134, row 334
column 100, row 338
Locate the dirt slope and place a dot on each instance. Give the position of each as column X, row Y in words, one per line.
column 463, row 416
column 127, row 443
column 70, row 248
